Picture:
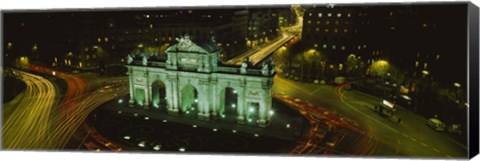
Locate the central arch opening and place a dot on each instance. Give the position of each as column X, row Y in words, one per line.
column 159, row 100
column 189, row 98
column 252, row 112
column 229, row 104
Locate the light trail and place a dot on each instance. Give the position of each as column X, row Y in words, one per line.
column 257, row 54
column 27, row 125
column 38, row 123
column 65, row 127
column 261, row 52
column 78, row 104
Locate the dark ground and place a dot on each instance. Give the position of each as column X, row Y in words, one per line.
column 178, row 132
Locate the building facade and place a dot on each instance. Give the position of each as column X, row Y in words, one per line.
column 193, row 80
column 108, row 38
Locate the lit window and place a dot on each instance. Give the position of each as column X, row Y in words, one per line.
column 345, row 30
column 425, row 65
column 335, row 30
column 106, row 39
column 438, row 57
column 320, row 15
column 310, row 14
column 425, row 25
column 99, row 39
column 343, row 47
column 340, row 66
column 326, row 30
column 416, row 63
column 315, row 45
column 334, row 47
column 348, row 15
column 309, row 21
column 318, row 22
column 328, row 22
column 329, row 14
column 364, row 46
column 339, row 15
column 325, row 46
column 317, row 29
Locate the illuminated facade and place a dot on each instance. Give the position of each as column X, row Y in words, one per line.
column 193, row 80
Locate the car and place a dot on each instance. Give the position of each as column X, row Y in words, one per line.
column 436, row 124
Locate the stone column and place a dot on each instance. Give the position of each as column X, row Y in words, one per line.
column 147, row 91
column 241, row 105
column 213, row 101
column 219, row 97
column 173, row 110
column 203, row 102
column 150, row 94
column 265, row 104
column 268, row 105
column 131, row 101
column 168, row 94
column 145, row 99
column 262, row 114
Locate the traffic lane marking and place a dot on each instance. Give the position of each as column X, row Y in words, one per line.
column 413, row 139
column 425, row 145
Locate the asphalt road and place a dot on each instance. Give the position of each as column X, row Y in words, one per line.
column 44, row 118
column 259, row 53
column 27, row 125
column 410, row 138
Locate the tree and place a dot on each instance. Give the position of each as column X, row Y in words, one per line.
column 352, row 65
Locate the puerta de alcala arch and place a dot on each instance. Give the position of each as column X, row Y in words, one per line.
column 192, row 75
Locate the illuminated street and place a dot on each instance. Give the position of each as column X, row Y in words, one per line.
column 27, row 127
column 258, row 54
column 411, row 137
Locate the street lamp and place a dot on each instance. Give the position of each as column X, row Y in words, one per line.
column 380, row 67
column 456, row 84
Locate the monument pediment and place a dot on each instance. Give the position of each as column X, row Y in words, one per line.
column 186, row 45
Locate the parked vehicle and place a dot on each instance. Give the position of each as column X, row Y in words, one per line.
column 436, row 124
